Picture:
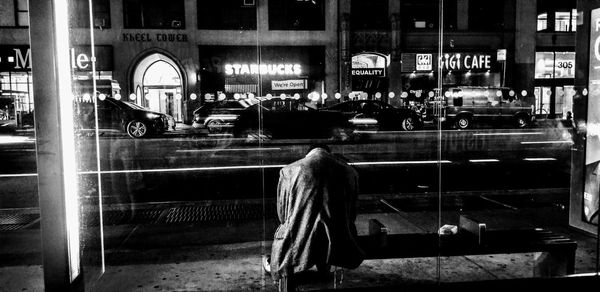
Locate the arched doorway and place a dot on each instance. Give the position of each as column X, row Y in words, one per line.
column 159, row 85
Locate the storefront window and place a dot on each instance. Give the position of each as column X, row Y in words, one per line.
column 565, row 21
column 227, row 15
column 369, row 15
column 542, row 21
column 297, row 15
column 154, row 14
column 80, row 18
column 421, row 14
column 456, row 145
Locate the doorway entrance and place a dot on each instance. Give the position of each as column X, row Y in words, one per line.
column 160, row 85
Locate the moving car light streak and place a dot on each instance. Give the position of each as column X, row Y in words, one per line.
column 235, row 167
column 483, row 160
column 540, row 159
column 547, row 142
column 508, row 134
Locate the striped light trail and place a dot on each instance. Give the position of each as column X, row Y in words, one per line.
column 483, row 160
column 238, row 167
column 18, row 175
column 508, row 134
column 548, row 142
column 540, row 159
column 229, row 149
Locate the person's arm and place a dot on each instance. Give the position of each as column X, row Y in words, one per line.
column 282, row 190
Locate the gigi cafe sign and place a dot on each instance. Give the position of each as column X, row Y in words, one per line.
column 455, row 61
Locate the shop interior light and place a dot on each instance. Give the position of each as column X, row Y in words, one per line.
column 418, row 94
column 118, row 96
column 193, row 96
column 391, row 94
column 524, row 93
column 178, row 96
column 447, row 94
column 498, row 93
column 296, row 96
column 584, row 92
column 431, row 94
column 282, row 96
column 511, row 93
column 468, row 73
column 378, row 95
column 147, row 96
column 338, row 95
column 236, row 96
column 221, row 96
column 132, row 96
column 404, row 94
column 102, row 96
column 269, row 96
column 250, row 95
column 87, row 97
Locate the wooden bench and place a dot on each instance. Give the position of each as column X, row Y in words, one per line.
column 472, row 238
column 558, row 256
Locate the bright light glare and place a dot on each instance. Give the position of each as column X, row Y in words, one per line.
column 61, row 30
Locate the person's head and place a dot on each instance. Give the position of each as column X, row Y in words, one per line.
column 318, row 145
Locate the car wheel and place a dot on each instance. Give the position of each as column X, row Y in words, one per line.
column 521, row 121
column 463, row 122
column 408, row 124
column 215, row 126
column 137, row 129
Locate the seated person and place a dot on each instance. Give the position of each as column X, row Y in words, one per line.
column 316, row 206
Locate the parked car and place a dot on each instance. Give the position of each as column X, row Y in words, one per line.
column 378, row 115
column 290, row 118
column 218, row 116
column 465, row 106
column 122, row 116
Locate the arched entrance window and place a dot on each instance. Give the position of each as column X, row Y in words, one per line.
column 161, row 85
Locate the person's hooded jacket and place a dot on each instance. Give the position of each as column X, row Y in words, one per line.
column 316, row 206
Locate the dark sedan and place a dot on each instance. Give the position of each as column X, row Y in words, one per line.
column 122, row 116
column 378, row 115
column 290, row 118
column 218, row 116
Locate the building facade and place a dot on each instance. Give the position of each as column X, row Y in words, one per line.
column 172, row 57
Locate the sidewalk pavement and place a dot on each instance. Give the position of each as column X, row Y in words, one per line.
column 227, row 256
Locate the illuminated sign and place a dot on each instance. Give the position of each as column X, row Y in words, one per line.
column 457, row 61
column 15, row 58
column 378, row 72
column 369, row 64
column 424, row 62
column 263, row 69
column 288, row 84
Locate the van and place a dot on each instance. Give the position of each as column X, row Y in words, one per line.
column 466, row 106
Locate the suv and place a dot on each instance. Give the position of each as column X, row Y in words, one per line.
column 122, row 116
column 465, row 106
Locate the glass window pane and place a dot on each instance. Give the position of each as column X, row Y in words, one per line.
column 542, row 22
column 451, row 145
column 544, row 65
column 563, row 21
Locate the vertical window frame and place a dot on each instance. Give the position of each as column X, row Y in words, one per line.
column 19, row 11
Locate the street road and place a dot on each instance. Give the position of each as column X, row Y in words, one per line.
column 199, row 167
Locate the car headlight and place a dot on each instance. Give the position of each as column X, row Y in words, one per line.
column 152, row 116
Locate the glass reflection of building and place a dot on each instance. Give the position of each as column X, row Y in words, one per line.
column 173, row 58
column 146, row 32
